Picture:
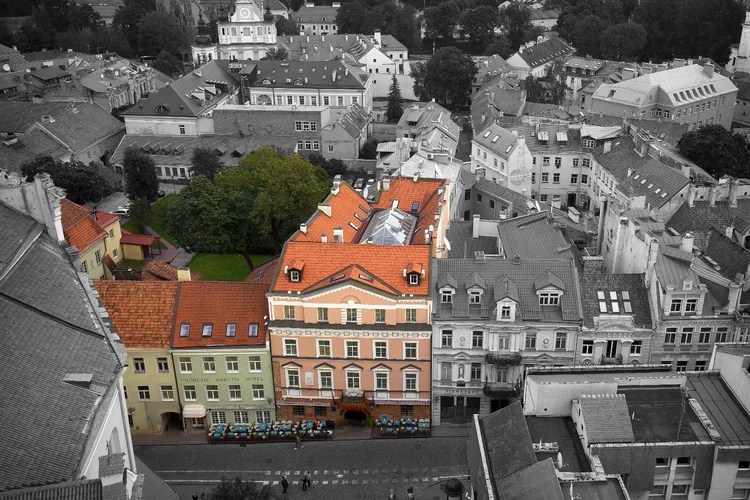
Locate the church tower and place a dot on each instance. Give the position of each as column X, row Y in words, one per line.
column 739, row 59
column 203, row 49
column 247, row 33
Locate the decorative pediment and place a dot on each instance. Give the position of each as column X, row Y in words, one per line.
column 291, row 364
column 381, row 366
column 352, row 366
column 324, row 366
column 613, row 324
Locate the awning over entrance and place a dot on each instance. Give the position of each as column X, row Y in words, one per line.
column 194, row 411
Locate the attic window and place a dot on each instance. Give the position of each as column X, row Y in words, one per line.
column 161, row 109
column 549, row 299
column 602, row 306
column 365, row 277
column 208, row 329
column 252, row 330
column 626, row 304
column 487, row 134
column 475, row 297
column 231, row 329
column 625, row 295
column 415, row 206
column 615, row 307
column 600, row 295
column 664, row 195
column 294, row 275
column 446, row 296
column 185, row 330
column 658, row 190
column 494, row 139
column 414, row 279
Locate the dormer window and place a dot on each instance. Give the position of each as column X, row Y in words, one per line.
column 414, row 273
column 549, row 298
column 505, row 312
column 294, row 270
column 475, row 297
column 414, row 279
column 446, row 297
column 294, row 275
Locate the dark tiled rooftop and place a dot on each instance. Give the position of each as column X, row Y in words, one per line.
column 463, row 244
column 656, row 415
column 723, row 409
column 594, row 283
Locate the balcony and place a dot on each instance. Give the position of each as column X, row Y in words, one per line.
column 503, row 360
column 353, row 396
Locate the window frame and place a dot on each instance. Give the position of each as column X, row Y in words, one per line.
column 320, row 344
column 210, row 391
column 477, row 334
column 407, row 347
column 293, row 344
column 410, row 315
column 235, row 392
column 376, row 348
column 190, row 392
column 259, row 392
column 186, row 364
column 209, row 361
column 144, row 392
column 235, row 364
column 351, row 344
column 251, row 362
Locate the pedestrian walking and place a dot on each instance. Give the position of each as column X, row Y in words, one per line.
column 195, row 496
column 298, row 442
column 410, row 493
column 306, row 480
column 284, row 484
column 392, row 495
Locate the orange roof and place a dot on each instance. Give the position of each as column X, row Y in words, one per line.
column 344, row 205
column 422, row 195
column 141, row 311
column 218, row 304
column 384, row 263
column 129, row 238
column 157, row 270
column 353, row 273
column 263, row 273
column 83, row 227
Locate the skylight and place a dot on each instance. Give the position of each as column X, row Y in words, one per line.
column 602, row 306
column 487, row 134
column 658, row 190
column 612, row 295
column 625, row 295
column 494, row 139
column 626, row 305
column 676, row 98
column 600, row 295
column 615, row 307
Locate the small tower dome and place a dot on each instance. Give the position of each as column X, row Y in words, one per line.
column 202, row 38
column 268, row 17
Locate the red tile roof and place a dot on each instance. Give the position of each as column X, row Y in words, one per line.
column 80, row 227
column 324, row 260
column 141, row 312
column 344, row 204
column 218, row 304
column 129, row 238
column 157, row 270
column 263, row 273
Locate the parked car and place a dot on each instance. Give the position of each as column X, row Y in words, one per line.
column 359, row 183
column 125, row 212
column 127, row 205
column 161, row 193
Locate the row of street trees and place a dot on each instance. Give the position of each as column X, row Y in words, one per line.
column 389, row 16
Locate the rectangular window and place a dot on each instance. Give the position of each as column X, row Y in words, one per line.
column 505, row 311
column 212, row 392
column 259, row 391
column 410, row 350
column 636, row 346
column 209, row 365
column 669, row 337
column 558, row 161
column 144, row 393
column 545, row 161
column 575, row 162
column 186, row 365
column 379, row 315
column 235, row 393
column 233, row 365
column 574, row 178
column 352, row 380
column 98, row 257
column 476, row 371
column 254, row 363
column 700, row 366
column 676, row 305
column 208, row 330
column 556, row 178
column 290, row 347
column 231, row 329
column 467, row 195
column 475, row 297
column 240, row 417
column 446, row 338
column 324, row 348
column 545, row 177
column 218, row 417
column 298, row 126
column 162, row 365
column 407, row 410
column 687, row 336
column 691, row 305
column 313, row 100
column 290, row 100
column 531, row 341
column 381, row 381
column 411, row 315
column 584, row 179
column 292, row 378
column 326, row 380
column 190, row 393
column 321, row 412
column 477, row 339
column 446, row 297
column 533, row 177
column 410, row 381
column 561, row 340
column 381, row 349
column 298, row 411
column 446, row 370
column 704, row 337
column 302, row 100
column 252, row 330
column 681, row 366
column 139, row 365
column 351, row 315
column 502, row 375
column 549, row 299
column 289, row 312
column 340, row 101
column 185, row 330
column 326, row 101
column 182, row 130
column 721, row 334
column 322, row 315
column 352, row 348
column 588, row 347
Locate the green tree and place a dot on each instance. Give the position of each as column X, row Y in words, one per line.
column 82, row 183
column 352, row 17
column 622, row 42
column 544, row 90
column 286, row 27
column 395, row 102
column 500, row 46
column 717, row 151
column 516, row 23
column 142, row 215
column 205, row 163
column 276, row 54
column 587, row 35
column 141, row 182
column 167, row 64
column 128, row 15
column 157, row 32
column 237, row 489
column 445, row 77
column 369, row 150
column 286, row 190
column 441, row 20
column 479, row 24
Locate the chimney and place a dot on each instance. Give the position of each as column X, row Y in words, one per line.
column 729, row 232
column 734, row 295
column 324, row 238
column 607, row 147
column 338, row 234
column 303, row 228
column 479, row 173
column 331, row 46
column 325, row 208
column 308, row 38
column 183, row 274
column 386, row 183
column 334, row 75
column 479, row 256
column 692, row 191
column 653, row 254
column 733, row 185
column 593, row 264
column 708, row 69
column 426, row 236
column 712, row 194
column 346, row 37
column 475, row 226
column 347, row 71
column 323, row 38
column 687, row 242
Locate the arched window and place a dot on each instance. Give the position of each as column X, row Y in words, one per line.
column 114, row 442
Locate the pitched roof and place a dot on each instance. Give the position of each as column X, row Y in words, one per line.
column 606, row 418
column 49, row 73
column 83, row 227
column 48, row 321
column 82, row 489
column 177, row 99
column 381, row 262
column 158, row 270
column 723, row 409
column 304, row 74
column 515, row 201
column 592, row 284
column 315, row 14
column 535, row 236
column 462, row 241
column 545, row 51
column 348, row 210
column 422, row 194
column 527, row 275
column 83, row 125
column 494, row 101
column 28, row 147
column 538, row 480
column 129, row 238
column 142, row 312
column 264, row 273
column 666, row 131
column 17, row 116
column 219, row 304
column 498, row 140
column 507, row 441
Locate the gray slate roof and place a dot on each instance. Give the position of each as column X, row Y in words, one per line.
column 535, row 236
column 46, row 322
column 606, row 418
column 535, row 482
column 83, row 125
column 523, row 273
column 592, row 283
column 463, row 244
column 17, row 116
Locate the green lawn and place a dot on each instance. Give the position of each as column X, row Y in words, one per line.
column 224, row 267
column 158, row 223
column 130, row 264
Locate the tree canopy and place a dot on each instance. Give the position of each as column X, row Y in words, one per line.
column 141, row 182
column 205, row 163
column 479, row 24
column 391, row 18
column 167, row 64
column 500, row 46
column 441, row 20
column 157, row 32
column 544, row 90
column 395, row 102
column 46, row 19
column 515, row 21
column 717, row 151
column 445, row 77
column 82, row 183
column 286, row 27
column 237, row 489
column 128, row 15
column 276, row 53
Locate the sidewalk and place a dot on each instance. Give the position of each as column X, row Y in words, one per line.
column 168, row 254
column 450, row 430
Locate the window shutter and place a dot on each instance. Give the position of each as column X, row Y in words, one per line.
column 343, row 315
column 359, row 316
